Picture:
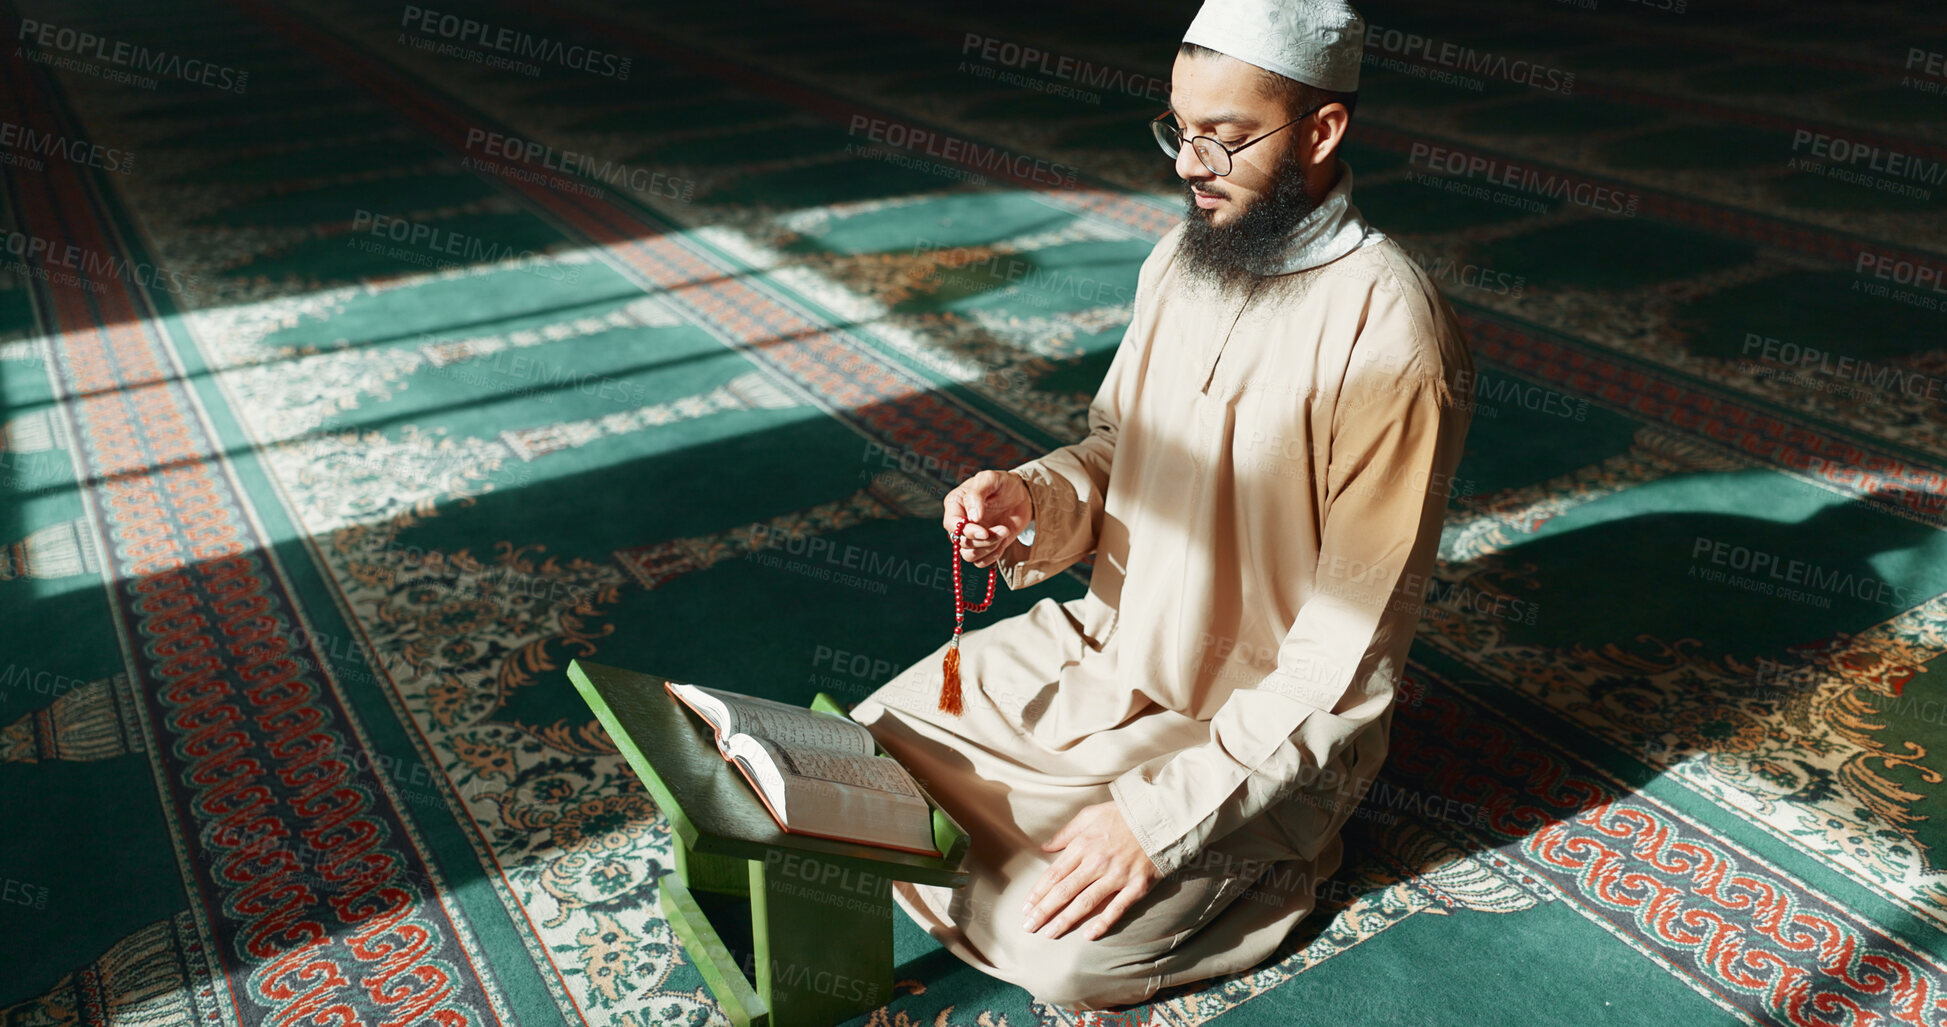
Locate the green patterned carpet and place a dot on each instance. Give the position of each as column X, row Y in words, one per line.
column 356, row 375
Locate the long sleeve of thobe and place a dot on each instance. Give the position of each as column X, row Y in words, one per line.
column 1338, row 664
column 1067, row 489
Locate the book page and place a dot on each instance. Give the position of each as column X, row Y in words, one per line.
column 859, row 814
column 763, row 767
column 862, row 798
column 793, row 726
column 872, row 772
column 706, row 705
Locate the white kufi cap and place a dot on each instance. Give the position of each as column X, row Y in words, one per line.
column 1317, row 42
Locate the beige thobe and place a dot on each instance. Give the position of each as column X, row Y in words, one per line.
column 1262, row 487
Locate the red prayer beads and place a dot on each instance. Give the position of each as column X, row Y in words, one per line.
column 950, row 685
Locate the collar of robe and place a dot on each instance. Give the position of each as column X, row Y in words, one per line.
column 1333, row 229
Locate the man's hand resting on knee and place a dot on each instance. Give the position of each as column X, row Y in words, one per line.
column 997, row 507
column 1100, row 862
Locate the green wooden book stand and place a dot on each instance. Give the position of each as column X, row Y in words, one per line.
column 820, row 910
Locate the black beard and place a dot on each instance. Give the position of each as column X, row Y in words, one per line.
column 1223, row 256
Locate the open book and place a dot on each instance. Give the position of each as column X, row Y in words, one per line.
column 815, row 771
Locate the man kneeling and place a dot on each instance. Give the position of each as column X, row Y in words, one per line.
column 1155, row 774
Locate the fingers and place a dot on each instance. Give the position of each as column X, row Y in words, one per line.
column 984, row 551
column 1080, row 908
column 967, row 501
column 1049, row 878
column 1113, row 912
column 977, row 551
column 1061, row 889
column 970, row 500
column 981, row 544
column 980, row 486
column 1095, row 876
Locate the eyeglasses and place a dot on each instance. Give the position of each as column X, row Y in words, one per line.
column 1214, row 155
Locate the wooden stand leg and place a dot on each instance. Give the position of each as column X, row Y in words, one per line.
column 708, row 871
column 823, row 936
column 733, row 991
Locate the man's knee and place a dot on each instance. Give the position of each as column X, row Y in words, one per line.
column 1095, row 992
column 1070, row 977
column 904, row 690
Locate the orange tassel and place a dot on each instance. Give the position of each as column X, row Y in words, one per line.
column 950, row 691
